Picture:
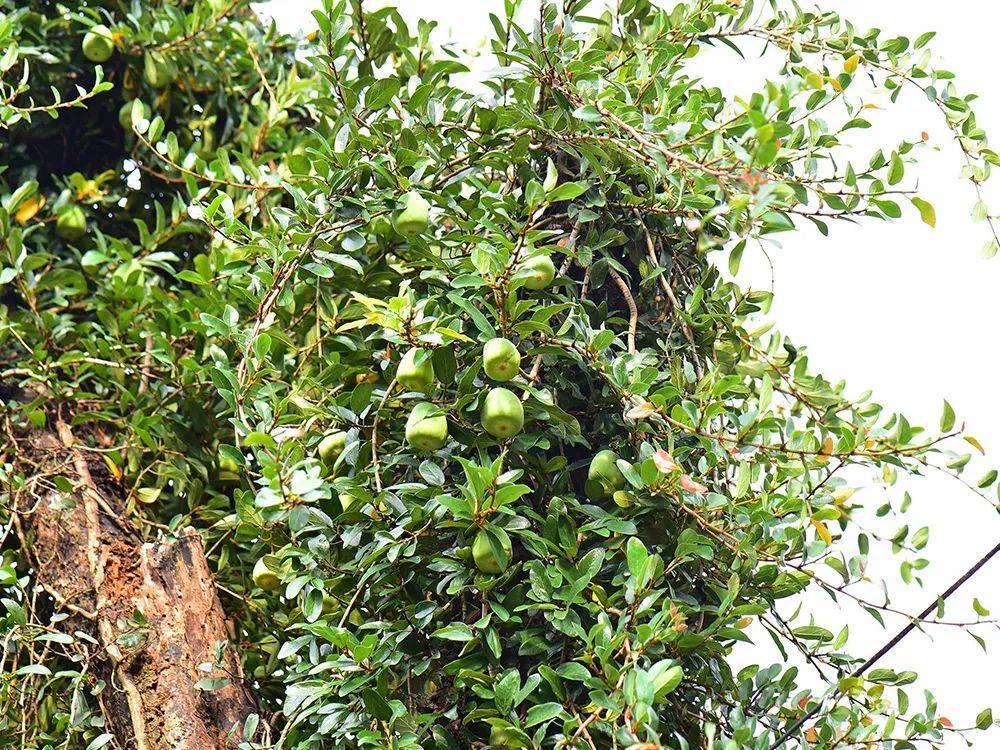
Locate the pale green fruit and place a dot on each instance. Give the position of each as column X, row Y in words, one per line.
column 264, row 577
column 482, row 554
column 426, row 427
column 542, row 270
column 502, row 414
column 346, row 500
column 501, row 359
column 98, row 44
column 414, row 217
column 71, row 224
column 125, row 113
column 604, row 478
column 157, row 69
column 331, row 446
column 415, row 376
column 229, row 470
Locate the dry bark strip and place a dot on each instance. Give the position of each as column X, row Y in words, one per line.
column 97, row 568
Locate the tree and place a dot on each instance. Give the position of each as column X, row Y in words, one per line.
column 250, row 364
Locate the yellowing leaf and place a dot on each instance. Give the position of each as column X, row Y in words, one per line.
column 927, row 213
column 29, row 208
column 842, row 494
column 112, row 466
column 352, row 324
column 641, row 411
column 453, row 334
column 823, row 532
column 975, row 444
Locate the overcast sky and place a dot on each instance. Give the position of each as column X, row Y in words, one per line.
column 907, row 311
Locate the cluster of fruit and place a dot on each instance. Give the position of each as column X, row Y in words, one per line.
column 99, row 44
column 501, row 414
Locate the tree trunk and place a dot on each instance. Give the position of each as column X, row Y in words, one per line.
column 152, row 607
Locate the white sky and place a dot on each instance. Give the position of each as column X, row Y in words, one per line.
column 900, row 308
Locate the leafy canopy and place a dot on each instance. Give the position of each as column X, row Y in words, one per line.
column 217, row 246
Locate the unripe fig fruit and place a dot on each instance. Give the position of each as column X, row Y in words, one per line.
column 346, row 500
column 542, row 269
column 229, row 470
column 264, row 577
column 330, row 605
column 414, row 375
column 98, row 44
column 331, row 446
column 71, row 224
column 501, row 359
column 414, row 217
column 426, row 427
column 502, row 414
column 482, row 554
column 125, row 113
column 604, row 478
column 157, row 69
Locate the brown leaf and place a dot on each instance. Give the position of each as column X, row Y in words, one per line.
column 664, row 462
column 641, row 411
column 689, row 485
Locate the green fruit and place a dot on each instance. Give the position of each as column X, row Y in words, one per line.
column 264, row 577
column 98, row 44
column 604, row 478
column 71, row 224
column 482, row 554
column 415, row 376
column 501, row 359
column 125, row 113
column 229, row 470
column 346, row 501
column 157, row 69
column 415, row 214
column 331, row 446
column 502, row 414
column 542, row 270
column 426, row 428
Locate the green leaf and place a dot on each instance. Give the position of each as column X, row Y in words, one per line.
column 376, row 705
column 456, row 631
column 947, row 417
column 985, row 719
column 381, row 92
column 895, row 174
column 100, row 741
column 587, row 113
column 542, row 713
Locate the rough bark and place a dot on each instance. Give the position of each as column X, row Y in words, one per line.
column 153, row 607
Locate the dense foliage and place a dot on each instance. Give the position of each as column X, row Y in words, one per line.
column 255, row 271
